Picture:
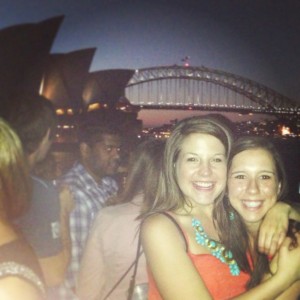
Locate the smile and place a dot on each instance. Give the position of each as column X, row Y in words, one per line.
column 203, row 184
column 252, row 204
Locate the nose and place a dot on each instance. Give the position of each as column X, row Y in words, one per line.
column 205, row 168
column 252, row 186
column 116, row 153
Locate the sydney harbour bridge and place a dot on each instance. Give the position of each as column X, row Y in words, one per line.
column 185, row 87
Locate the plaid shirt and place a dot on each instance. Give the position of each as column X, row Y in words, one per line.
column 89, row 197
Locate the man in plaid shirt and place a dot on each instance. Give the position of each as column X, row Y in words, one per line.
column 90, row 185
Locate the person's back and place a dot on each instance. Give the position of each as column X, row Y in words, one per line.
column 111, row 250
column 110, row 254
column 20, row 273
column 34, row 120
column 43, row 216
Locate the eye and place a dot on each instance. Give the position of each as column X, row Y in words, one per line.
column 265, row 177
column 111, row 148
column 217, row 159
column 239, row 176
column 192, row 159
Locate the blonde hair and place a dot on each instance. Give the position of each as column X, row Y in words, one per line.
column 15, row 188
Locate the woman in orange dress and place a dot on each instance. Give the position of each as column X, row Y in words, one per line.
column 180, row 234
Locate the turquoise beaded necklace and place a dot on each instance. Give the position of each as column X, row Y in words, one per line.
column 215, row 247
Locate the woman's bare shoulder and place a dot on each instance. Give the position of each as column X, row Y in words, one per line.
column 13, row 287
column 160, row 226
column 156, row 220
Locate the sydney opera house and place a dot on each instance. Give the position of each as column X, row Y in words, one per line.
column 27, row 66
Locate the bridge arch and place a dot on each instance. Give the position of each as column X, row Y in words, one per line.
column 260, row 97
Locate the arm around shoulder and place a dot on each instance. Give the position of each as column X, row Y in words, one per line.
column 295, row 211
column 284, row 282
column 274, row 227
column 291, row 293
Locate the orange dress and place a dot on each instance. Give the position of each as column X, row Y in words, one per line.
column 215, row 274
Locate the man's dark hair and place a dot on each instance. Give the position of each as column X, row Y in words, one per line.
column 31, row 116
column 93, row 133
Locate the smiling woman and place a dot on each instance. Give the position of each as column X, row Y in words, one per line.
column 201, row 168
column 253, row 185
column 183, row 234
column 256, row 181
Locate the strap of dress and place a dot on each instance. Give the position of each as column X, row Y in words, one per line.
column 168, row 215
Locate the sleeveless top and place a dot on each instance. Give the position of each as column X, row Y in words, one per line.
column 17, row 259
column 215, row 274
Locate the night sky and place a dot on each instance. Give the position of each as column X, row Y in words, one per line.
column 257, row 39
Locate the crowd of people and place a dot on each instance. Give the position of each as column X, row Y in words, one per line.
column 201, row 216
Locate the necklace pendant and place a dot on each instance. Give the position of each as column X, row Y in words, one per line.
column 215, row 247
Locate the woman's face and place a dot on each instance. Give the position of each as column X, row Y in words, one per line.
column 201, row 168
column 253, row 184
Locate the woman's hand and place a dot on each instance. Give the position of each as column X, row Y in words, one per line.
column 274, row 228
column 289, row 260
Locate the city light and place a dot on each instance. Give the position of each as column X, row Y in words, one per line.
column 93, row 106
column 285, row 130
column 60, row 112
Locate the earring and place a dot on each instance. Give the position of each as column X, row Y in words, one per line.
column 231, row 215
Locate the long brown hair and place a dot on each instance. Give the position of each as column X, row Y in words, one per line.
column 233, row 232
column 144, row 172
